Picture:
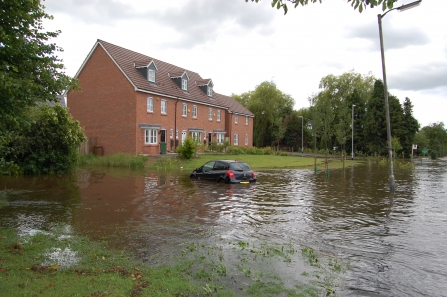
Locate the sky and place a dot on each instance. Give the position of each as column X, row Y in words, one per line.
column 239, row 45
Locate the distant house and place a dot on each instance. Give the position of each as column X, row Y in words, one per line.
column 132, row 103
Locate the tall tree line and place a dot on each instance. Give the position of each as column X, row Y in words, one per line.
column 350, row 98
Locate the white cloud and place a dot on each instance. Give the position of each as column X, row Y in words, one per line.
column 240, row 44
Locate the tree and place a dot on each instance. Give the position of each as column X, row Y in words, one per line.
column 49, row 144
column 357, row 4
column 375, row 132
column 410, row 125
column 30, row 72
column 437, row 139
column 270, row 107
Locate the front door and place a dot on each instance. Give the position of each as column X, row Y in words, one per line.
column 210, row 137
column 183, row 136
column 162, row 135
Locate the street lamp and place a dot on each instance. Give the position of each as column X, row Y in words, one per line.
column 302, row 140
column 352, row 154
column 385, row 88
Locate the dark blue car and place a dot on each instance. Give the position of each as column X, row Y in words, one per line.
column 227, row 171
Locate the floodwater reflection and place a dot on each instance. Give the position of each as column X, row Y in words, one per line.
column 396, row 245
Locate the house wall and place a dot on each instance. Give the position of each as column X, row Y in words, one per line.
column 105, row 107
column 174, row 120
column 239, row 128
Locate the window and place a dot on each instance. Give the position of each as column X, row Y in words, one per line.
column 164, row 106
column 218, row 115
column 150, row 136
column 194, row 111
column 184, row 85
column 220, row 138
column 210, row 91
column 246, row 139
column 210, row 114
column 246, row 120
column 150, row 104
column 184, row 110
column 151, row 75
column 176, row 134
column 235, row 139
column 196, row 136
column 171, row 133
column 236, row 118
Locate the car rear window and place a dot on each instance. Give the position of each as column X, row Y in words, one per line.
column 239, row 166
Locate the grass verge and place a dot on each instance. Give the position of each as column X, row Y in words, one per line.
column 54, row 264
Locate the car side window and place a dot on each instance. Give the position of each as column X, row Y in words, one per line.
column 208, row 166
column 219, row 166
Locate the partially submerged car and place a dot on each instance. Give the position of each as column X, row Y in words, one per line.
column 227, row 171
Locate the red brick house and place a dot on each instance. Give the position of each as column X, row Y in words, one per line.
column 131, row 103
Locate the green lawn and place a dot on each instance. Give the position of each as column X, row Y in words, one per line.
column 258, row 162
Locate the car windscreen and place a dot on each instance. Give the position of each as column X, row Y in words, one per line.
column 239, row 166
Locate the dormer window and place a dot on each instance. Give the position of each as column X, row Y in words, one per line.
column 206, row 85
column 151, row 75
column 210, row 91
column 148, row 70
column 184, row 84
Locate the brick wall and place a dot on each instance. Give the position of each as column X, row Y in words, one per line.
column 106, row 105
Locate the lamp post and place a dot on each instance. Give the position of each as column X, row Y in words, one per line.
column 352, row 128
column 385, row 88
column 302, row 139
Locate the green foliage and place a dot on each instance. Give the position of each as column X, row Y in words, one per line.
column 255, row 151
column 359, row 5
column 49, row 144
column 268, row 150
column 436, row 134
column 395, row 144
column 29, row 70
column 270, row 107
column 187, row 149
column 236, row 150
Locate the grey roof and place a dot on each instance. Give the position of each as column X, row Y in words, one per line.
column 128, row 60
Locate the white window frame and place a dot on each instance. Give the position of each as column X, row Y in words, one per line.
column 235, row 140
column 150, row 136
column 246, row 120
column 171, row 133
column 150, row 104
column 184, row 84
column 151, row 75
column 236, row 118
column 164, row 106
column 194, row 111
column 218, row 115
column 184, row 110
column 210, row 114
column 196, row 137
column 220, row 138
column 210, row 91
column 246, row 139
column 176, row 134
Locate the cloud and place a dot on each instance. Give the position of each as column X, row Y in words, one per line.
column 193, row 22
column 99, row 12
column 425, row 77
column 394, row 38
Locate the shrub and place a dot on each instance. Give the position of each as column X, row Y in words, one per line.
column 255, row 151
column 236, row 150
column 187, row 149
column 49, row 144
column 268, row 150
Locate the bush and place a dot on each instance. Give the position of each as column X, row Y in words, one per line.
column 187, row 149
column 236, row 150
column 49, row 143
column 255, row 151
column 268, row 150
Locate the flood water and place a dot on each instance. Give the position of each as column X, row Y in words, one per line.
column 396, row 245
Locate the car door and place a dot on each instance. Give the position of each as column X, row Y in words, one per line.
column 219, row 170
column 207, row 170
